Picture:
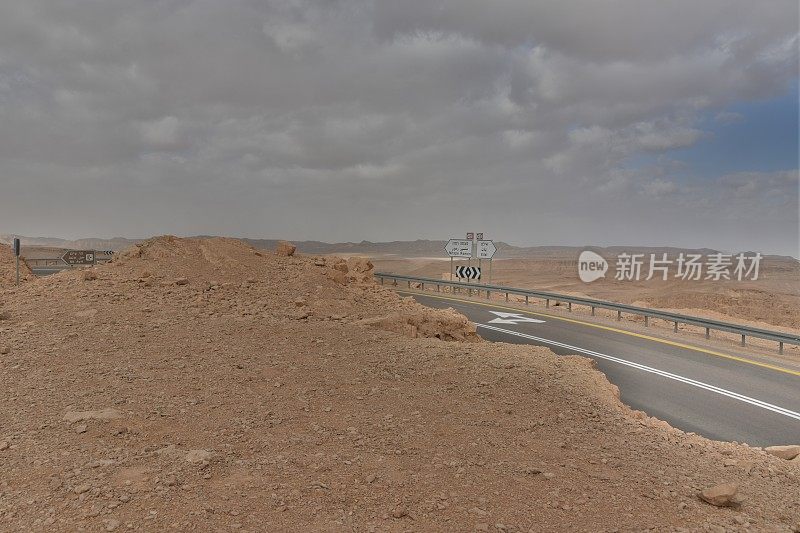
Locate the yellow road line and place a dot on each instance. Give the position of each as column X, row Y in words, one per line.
column 615, row 330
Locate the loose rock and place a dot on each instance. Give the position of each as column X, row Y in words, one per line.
column 105, row 414
column 285, row 249
column 198, row 456
column 784, row 452
column 722, row 495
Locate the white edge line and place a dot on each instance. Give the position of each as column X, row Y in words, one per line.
column 662, row 373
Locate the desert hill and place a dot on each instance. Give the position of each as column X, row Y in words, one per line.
column 204, row 384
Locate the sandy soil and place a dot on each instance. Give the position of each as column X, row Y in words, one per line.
column 203, row 385
column 772, row 300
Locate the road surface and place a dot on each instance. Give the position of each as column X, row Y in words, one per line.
column 719, row 396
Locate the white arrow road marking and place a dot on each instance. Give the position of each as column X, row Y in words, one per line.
column 512, row 318
column 662, row 373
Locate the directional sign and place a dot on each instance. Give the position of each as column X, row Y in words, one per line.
column 512, row 318
column 78, row 257
column 467, row 272
column 16, row 247
column 486, row 249
column 458, row 248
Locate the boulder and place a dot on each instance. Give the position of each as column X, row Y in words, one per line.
column 285, row 249
column 722, row 495
column 784, row 452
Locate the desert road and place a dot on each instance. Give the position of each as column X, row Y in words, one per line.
column 713, row 395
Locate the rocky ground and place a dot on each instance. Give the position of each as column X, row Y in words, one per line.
column 205, row 385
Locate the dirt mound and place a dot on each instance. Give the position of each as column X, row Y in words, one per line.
column 8, row 269
column 444, row 324
column 204, row 385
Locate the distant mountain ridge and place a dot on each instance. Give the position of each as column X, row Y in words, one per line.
column 399, row 249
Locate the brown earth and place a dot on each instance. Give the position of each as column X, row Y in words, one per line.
column 205, row 385
column 771, row 300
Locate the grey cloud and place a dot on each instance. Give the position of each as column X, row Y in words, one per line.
column 354, row 119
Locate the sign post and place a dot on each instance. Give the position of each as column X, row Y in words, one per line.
column 16, row 255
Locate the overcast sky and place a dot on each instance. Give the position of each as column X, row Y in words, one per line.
column 625, row 122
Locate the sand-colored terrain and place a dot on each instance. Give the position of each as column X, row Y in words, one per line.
column 208, row 386
column 772, row 300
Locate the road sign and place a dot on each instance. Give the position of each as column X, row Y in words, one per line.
column 78, row 257
column 479, row 236
column 458, row 248
column 467, row 272
column 486, row 249
column 470, row 236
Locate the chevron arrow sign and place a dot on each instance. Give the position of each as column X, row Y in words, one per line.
column 467, row 272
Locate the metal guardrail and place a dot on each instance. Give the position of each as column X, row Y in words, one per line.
column 744, row 331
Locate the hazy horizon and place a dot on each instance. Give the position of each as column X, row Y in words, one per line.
column 631, row 246
column 540, row 123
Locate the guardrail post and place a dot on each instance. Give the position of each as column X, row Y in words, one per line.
column 569, row 306
column 547, row 302
column 708, row 333
column 422, row 286
column 438, row 288
column 382, row 280
column 409, row 284
column 780, row 348
column 526, row 299
column 592, row 310
column 645, row 321
column 742, row 340
column 488, row 294
column 676, row 327
column 619, row 316
column 506, row 296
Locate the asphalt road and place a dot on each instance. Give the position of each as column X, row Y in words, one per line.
column 715, row 396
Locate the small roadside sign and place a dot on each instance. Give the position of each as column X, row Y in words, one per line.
column 458, row 248
column 470, row 236
column 479, row 236
column 78, row 257
column 468, row 272
column 485, row 249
